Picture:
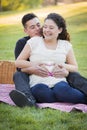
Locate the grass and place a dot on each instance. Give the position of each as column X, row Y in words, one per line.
column 8, row 37
column 14, row 118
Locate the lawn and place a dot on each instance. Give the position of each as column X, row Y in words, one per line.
column 14, row 118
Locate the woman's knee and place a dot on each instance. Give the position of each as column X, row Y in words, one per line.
column 42, row 93
column 38, row 88
column 61, row 86
column 65, row 93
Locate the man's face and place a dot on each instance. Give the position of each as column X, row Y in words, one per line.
column 32, row 27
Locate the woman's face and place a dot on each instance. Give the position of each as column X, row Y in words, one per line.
column 50, row 30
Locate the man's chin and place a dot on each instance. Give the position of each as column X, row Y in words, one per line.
column 37, row 35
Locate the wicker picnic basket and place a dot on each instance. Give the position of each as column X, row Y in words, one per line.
column 7, row 69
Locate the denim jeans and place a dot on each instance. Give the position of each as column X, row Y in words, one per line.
column 21, row 81
column 61, row 92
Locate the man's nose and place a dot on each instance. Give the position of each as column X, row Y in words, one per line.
column 37, row 28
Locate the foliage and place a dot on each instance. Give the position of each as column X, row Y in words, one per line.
column 19, row 4
column 6, row 5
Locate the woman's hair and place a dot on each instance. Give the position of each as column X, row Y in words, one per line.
column 60, row 22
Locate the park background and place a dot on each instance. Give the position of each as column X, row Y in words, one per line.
column 11, row 12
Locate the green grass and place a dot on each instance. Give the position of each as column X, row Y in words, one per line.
column 8, row 37
column 78, row 30
column 14, row 118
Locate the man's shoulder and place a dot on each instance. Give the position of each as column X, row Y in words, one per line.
column 23, row 40
column 20, row 45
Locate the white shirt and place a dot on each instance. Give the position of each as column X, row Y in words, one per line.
column 40, row 53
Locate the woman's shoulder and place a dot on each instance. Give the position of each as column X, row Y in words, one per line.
column 34, row 41
column 64, row 43
column 36, row 38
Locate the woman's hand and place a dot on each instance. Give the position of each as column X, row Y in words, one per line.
column 41, row 70
column 59, row 71
column 37, row 69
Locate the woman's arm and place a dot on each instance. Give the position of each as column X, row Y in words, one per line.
column 71, row 63
column 21, row 61
column 28, row 66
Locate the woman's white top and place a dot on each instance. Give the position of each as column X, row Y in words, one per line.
column 40, row 53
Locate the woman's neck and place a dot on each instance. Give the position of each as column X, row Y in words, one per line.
column 51, row 44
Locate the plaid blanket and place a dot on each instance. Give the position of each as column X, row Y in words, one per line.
column 66, row 107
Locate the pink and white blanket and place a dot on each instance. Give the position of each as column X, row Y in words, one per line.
column 66, row 107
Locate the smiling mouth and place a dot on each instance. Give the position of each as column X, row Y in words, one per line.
column 48, row 35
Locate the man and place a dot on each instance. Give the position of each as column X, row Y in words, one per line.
column 22, row 95
column 31, row 26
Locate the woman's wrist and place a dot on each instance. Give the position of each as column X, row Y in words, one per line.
column 67, row 73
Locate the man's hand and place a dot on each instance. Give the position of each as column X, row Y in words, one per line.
column 59, row 71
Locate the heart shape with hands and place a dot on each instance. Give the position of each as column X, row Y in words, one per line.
column 49, row 66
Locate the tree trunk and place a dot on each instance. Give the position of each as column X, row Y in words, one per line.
column 55, row 2
column 0, row 6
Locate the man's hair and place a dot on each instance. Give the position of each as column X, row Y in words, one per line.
column 27, row 17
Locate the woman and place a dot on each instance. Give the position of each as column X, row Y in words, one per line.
column 51, row 52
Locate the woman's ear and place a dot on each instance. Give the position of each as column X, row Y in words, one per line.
column 60, row 30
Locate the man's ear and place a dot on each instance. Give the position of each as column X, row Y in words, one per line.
column 25, row 30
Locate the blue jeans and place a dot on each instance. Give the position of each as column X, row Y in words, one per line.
column 21, row 81
column 61, row 92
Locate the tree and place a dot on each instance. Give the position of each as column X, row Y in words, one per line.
column 20, row 4
column 50, row 2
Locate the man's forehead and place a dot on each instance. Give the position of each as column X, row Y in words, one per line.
column 33, row 21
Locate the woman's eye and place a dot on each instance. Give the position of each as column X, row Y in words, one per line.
column 51, row 28
column 44, row 27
